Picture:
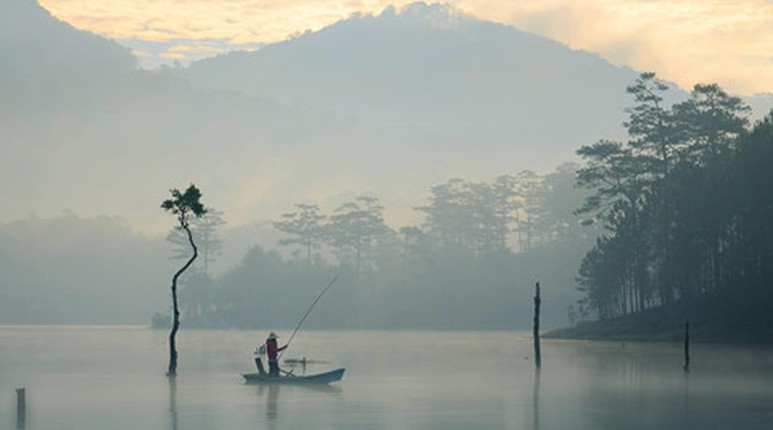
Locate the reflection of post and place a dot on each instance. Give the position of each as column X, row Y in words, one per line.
column 686, row 400
column 537, row 353
column 172, row 403
column 535, row 395
column 686, row 374
column 21, row 408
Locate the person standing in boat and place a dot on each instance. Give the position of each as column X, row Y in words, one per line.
column 272, row 350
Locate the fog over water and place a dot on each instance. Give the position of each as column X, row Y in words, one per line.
column 84, row 377
column 462, row 132
column 435, row 167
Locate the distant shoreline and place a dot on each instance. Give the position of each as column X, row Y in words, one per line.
column 629, row 331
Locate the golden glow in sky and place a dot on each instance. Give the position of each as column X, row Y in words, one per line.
column 686, row 41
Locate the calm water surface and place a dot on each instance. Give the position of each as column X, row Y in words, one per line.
column 113, row 378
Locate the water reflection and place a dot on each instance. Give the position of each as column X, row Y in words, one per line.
column 21, row 409
column 272, row 403
column 642, row 391
column 686, row 400
column 272, row 394
column 645, row 386
column 173, row 403
column 535, row 398
column 429, row 386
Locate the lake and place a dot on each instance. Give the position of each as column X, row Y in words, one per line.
column 113, row 378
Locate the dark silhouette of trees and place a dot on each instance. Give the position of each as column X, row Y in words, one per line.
column 650, row 125
column 709, row 123
column 751, row 247
column 616, row 176
column 684, row 203
column 677, row 200
column 184, row 206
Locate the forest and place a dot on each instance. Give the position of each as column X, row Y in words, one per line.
column 470, row 263
column 686, row 202
column 673, row 218
column 667, row 224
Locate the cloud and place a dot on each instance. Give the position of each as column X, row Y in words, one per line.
column 687, row 41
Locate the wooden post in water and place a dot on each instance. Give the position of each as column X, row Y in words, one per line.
column 686, row 346
column 21, row 408
column 537, row 354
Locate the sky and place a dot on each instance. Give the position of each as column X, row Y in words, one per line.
column 685, row 41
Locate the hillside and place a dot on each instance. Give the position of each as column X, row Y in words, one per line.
column 32, row 40
column 713, row 319
column 387, row 105
column 481, row 86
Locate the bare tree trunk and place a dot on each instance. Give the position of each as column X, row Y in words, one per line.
column 686, row 346
column 172, row 371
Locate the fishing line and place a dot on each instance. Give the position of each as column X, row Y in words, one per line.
column 308, row 311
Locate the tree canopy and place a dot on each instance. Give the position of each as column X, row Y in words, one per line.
column 681, row 200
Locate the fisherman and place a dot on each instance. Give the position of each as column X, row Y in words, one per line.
column 272, row 350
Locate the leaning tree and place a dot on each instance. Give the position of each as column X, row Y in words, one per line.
column 183, row 206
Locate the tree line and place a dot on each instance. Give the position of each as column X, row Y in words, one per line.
column 673, row 215
column 686, row 204
column 510, row 214
column 471, row 237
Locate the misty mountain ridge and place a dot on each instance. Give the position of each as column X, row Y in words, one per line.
column 478, row 84
column 386, row 105
column 50, row 43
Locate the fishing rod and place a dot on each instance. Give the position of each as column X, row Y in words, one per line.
column 308, row 311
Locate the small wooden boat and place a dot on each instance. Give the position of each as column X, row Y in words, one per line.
column 319, row 378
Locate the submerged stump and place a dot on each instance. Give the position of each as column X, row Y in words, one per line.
column 686, row 366
column 21, row 408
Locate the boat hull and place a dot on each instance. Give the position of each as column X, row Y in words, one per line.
column 319, row 378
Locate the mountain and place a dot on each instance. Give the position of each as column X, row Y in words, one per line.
column 475, row 85
column 32, row 40
column 386, row 105
column 82, row 128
